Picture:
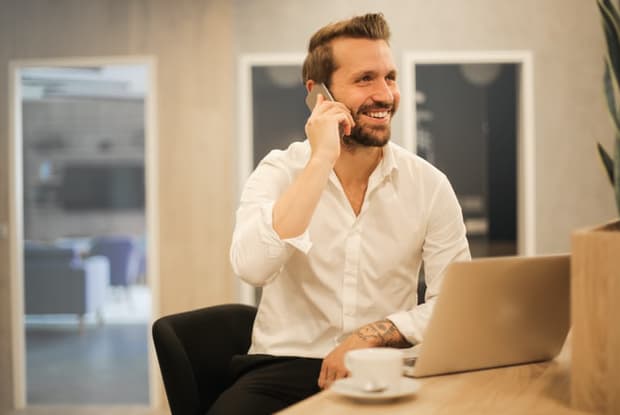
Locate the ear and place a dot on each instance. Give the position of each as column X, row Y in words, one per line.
column 309, row 85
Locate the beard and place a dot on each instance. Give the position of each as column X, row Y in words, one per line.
column 369, row 136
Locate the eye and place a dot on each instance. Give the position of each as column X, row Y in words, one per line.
column 364, row 78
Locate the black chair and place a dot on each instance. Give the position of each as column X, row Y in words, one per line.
column 194, row 349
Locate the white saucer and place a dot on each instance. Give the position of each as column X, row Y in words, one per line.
column 349, row 387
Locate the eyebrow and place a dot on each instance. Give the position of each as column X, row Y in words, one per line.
column 360, row 74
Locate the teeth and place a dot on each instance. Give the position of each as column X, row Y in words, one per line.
column 382, row 114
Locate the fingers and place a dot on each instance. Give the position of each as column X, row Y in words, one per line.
column 327, row 376
column 322, row 376
column 337, row 110
column 319, row 99
column 329, row 119
column 330, row 372
column 338, row 114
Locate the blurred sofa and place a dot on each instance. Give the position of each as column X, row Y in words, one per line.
column 58, row 281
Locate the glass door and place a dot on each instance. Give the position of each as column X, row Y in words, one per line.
column 87, row 301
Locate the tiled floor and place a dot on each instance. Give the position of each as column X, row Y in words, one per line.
column 98, row 365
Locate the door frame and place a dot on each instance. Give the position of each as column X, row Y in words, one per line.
column 16, row 230
column 526, row 154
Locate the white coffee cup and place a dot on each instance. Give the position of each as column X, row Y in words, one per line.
column 379, row 367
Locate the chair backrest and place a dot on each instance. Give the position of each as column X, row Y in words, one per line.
column 194, row 349
column 120, row 252
column 49, row 255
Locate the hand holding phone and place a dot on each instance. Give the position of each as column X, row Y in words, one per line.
column 316, row 90
column 321, row 88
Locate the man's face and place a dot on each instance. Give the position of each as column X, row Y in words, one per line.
column 365, row 81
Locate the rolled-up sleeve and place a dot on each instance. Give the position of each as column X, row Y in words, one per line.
column 257, row 252
column 445, row 242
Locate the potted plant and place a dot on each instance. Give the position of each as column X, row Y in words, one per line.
column 595, row 267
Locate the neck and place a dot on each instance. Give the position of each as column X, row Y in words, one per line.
column 356, row 163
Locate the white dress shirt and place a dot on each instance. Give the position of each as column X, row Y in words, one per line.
column 346, row 271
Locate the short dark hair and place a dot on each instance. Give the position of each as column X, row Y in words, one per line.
column 319, row 64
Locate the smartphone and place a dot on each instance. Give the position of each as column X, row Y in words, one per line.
column 318, row 89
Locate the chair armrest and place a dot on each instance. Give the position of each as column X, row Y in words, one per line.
column 177, row 373
column 97, row 281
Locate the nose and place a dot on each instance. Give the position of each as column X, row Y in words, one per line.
column 384, row 91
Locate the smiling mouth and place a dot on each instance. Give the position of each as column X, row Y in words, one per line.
column 378, row 111
column 383, row 115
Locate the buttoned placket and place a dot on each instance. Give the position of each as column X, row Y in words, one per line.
column 352, row 253
column 351, row 263
column 350, row 278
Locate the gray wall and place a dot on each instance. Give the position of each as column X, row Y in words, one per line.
column 567, row 44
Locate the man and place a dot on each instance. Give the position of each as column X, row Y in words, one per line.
column 336, row 228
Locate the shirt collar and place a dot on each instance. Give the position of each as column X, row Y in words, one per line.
column 388, row 164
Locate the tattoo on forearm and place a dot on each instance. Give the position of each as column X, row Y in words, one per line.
column 382, row 333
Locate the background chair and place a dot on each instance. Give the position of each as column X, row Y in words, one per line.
column 194, row 350
column 121, row 254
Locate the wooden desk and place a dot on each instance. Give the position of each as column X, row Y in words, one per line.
column 539, row 388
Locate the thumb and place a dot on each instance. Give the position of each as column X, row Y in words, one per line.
column 319, row 99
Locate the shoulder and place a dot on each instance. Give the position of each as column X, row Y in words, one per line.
column 292, row 158
column 276, row 171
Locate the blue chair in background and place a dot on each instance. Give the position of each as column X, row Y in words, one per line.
column 122, row 254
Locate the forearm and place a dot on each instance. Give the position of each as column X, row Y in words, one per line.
column 382, row 333
column 293, row 211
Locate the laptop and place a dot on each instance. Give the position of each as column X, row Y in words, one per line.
column 496, row 312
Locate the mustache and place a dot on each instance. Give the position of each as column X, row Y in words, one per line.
column 376, row 106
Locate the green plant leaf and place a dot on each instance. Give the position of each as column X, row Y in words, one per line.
column 612, row 11
column 608, row 163
column 611, row 28
column 617, row 171
column 610, row 94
